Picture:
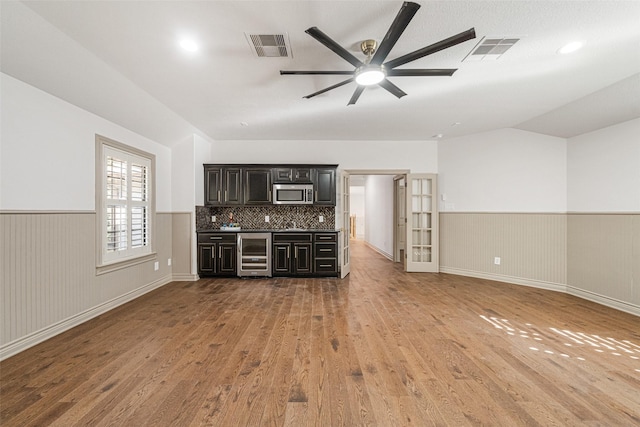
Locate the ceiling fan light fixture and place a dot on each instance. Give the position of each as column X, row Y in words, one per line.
column 368, row 75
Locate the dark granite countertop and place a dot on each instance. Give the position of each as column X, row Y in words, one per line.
column 250, row 230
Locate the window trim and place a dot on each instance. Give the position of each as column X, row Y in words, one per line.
column 102, row 265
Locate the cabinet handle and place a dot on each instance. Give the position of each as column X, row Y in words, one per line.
column 225, row 195
column 316, row 199
column 219, row 196
column 326, row 265
column 216, row 238
column 325, row 250
column 324, row 238
column 220, row 252
column 296, row 252
column 288, row 253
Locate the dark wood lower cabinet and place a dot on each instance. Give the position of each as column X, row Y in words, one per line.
column 292, row 254
column 325, row 254
column 217, row 254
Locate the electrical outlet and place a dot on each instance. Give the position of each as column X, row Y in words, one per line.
column 156, row 266
column 213, row 218
column 266, row 218
column 496, row 260
column 321, row 218
column 169, row 262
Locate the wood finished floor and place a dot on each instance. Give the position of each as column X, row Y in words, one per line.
column 380, row 348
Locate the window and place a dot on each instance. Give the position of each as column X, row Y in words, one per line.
column 124, row 202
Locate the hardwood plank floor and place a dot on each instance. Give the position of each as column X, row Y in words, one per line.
column 381, row 348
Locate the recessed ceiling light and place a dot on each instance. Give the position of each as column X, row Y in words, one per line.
column 244, row 124
column 570, row 47
column 437, row 135
column 189, row 45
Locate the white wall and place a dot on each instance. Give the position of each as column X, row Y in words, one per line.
column 379, row 212
column 604, row 170
column 418, row 156
column 506, row 170
column 48, row 152
column 184, row 173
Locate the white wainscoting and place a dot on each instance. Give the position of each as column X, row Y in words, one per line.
column 591, row 256
column 49, row 282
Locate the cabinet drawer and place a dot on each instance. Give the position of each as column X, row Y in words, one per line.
column 291, row 237
column 326, row 237
column 217, row 237
column 325, row 250
column 325, row 265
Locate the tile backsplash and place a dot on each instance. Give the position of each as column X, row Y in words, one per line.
column 280, row 217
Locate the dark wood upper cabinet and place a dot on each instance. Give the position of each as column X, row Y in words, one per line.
column 232, row 186
column 325, row 186
column 284, row 175
column 257, row 189
column 251, row 184
column 222, row 185
column 212, row 185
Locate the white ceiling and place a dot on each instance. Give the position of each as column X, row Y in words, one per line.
column 121, row 60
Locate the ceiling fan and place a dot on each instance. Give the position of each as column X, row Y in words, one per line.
column 373, row 70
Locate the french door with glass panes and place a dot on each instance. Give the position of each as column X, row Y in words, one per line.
column 422, row 223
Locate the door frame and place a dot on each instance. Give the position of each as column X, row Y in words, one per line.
column 339, row 209
column 399, row 200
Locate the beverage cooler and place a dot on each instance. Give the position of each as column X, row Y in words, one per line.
column 254, row 254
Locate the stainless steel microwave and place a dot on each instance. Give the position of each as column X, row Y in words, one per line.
column 292, row 194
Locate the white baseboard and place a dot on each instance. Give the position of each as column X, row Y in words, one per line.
column 23, row 343
column 380, row 251
column 604, row 300
column 184, row 277
column 559, row 287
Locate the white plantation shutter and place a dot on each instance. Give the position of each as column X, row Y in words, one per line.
column 126, row 205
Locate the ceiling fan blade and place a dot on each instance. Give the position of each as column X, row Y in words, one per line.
column 422, row 72
column 356, row 95
column 325, row 73
column 327, row 89
column 395, row 90
column 396, row 29
column 436, row 47
column 331, row 44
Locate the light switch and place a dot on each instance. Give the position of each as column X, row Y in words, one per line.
column 169, row 262
column 266, row 218
column 213, row 218
column 156, row 266
column 321, row 218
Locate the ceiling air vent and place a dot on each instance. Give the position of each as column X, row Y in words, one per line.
column 270, row 45
column 490, row 48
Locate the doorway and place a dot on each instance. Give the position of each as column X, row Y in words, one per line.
column 405, row 219
column 373, row 191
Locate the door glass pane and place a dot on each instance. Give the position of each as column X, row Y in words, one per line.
column 426, row 203
column 426, row 186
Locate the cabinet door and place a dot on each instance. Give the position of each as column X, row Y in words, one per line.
column 257, row 186
column 206, row 259
column 227, row 257
column 232, row 186
column 325, row 186
column 302, row 175
column 212, row 185
column 282, row 175
column 302, row 258
column 281, row 258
